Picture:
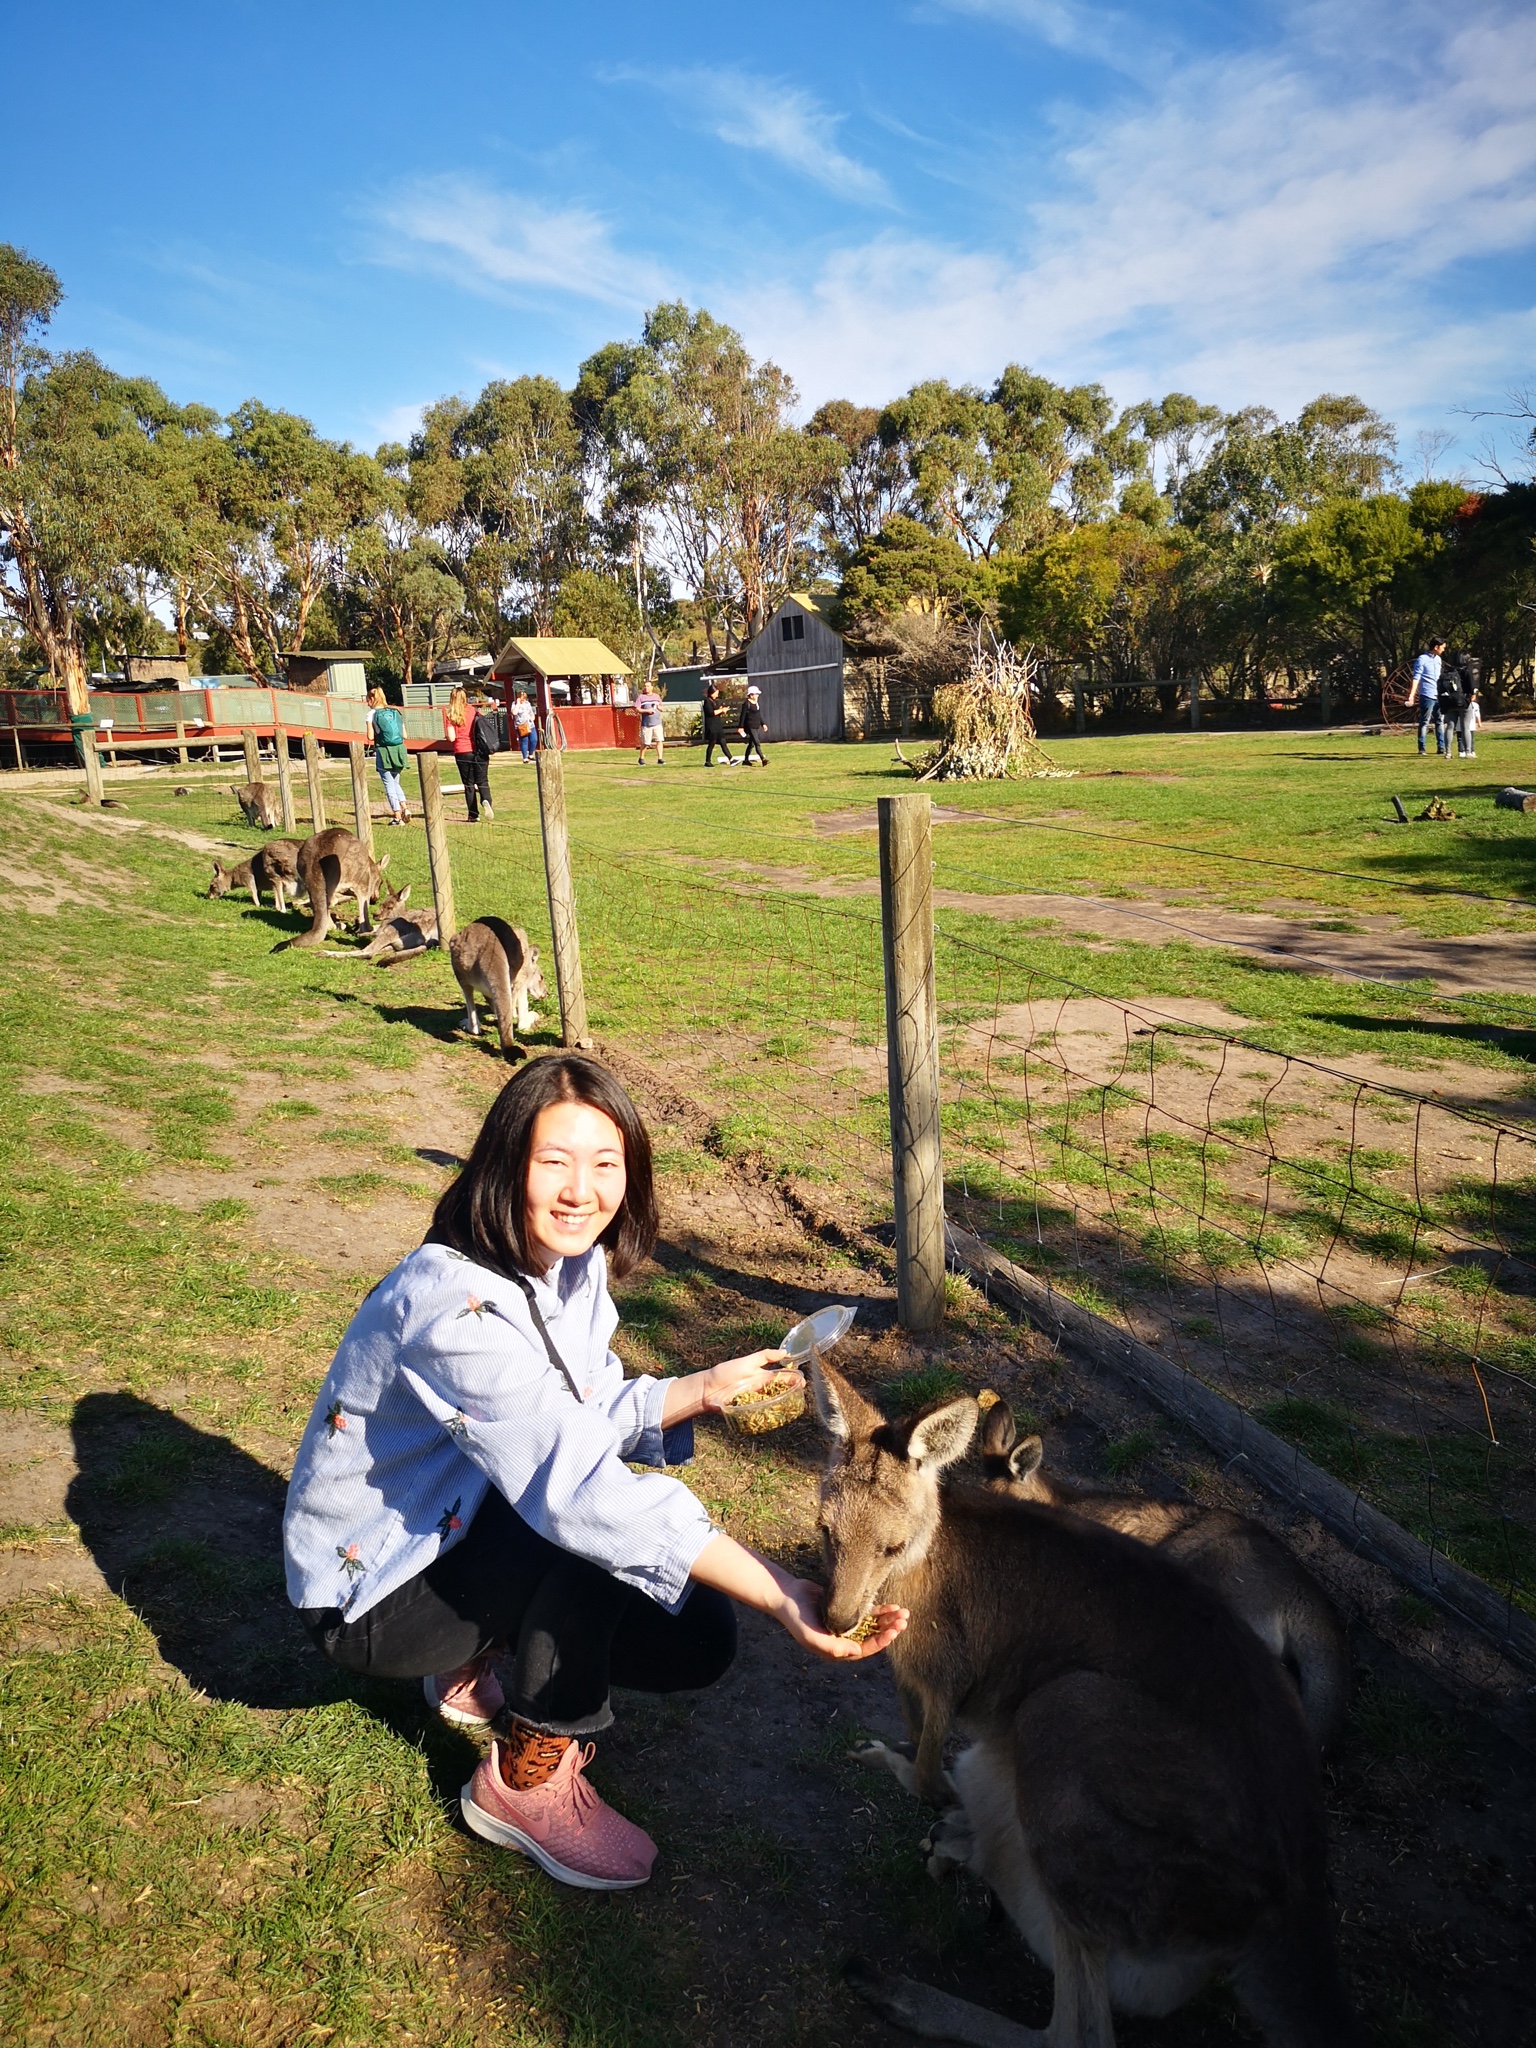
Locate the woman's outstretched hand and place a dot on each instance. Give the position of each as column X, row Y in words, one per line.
column 722, row 1384
column 802, row 1617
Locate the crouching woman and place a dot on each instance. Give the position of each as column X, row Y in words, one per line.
column 464, row 1484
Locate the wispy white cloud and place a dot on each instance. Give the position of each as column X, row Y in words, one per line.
column 1101, row 33
column 1269, row 226
column 767, row 115
column 506, row 245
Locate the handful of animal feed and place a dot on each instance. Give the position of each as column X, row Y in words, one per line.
column 781, row 1400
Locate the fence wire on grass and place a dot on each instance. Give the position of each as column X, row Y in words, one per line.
column 1351, row 1262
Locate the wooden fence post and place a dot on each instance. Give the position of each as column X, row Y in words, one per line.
column 562, row 898
column 1194, row 703
column 912, row 1056
column 252, row 747
column 181, row 739
column 437, row 843
column 1077, row 706
column 284, row 779
column 312, row 774
column 93, row 783
column 362, row 810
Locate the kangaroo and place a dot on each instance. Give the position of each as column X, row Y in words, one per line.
column 335, row 863
column 272, row 867
column 257, row 802
column 1139, row 1789
column 399, row 937
column 1238, row 1558
column 494, row 959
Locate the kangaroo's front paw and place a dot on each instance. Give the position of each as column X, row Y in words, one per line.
column 949, row 1843
column 885, row 1756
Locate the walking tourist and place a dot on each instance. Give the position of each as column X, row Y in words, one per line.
column 386, row 728
column 649, row 702
column 715, row 726
column 486, row 738
column 464, row 1487
column 753, row 726
column 1424, row 691
column 460, row 738
column 523, row 726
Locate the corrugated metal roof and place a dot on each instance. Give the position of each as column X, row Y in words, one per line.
column 550, row 657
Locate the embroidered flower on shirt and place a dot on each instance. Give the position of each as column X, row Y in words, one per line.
column 474, row 1306
column 334, row 1419
column 448, row 1520
column 351, row 1559
column 457, row 1425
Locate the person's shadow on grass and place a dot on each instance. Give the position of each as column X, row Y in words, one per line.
column 186, row 1528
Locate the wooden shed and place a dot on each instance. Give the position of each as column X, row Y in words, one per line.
column 580, row 687
column 797, row 663
column 328, row 671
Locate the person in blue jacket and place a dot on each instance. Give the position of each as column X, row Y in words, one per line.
column 465, row 1484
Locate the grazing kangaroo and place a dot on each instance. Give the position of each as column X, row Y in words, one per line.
column 336, row 863
column 494, row 959
column 273, row 867
column 257, row 802
column 1238, row 1558
column 400, row 937
column 1140, row 1788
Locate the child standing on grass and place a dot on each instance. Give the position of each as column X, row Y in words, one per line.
column 649, row 703
column 464, row 1482
column 1471, row 719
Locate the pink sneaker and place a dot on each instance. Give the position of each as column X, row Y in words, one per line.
column 561, row 1824
column 471, row 1697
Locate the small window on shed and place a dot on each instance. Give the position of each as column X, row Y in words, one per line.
column 793, row 624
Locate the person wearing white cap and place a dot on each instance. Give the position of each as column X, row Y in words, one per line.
column 753, row 726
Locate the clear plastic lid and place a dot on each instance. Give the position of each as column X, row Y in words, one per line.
column 820, row 1331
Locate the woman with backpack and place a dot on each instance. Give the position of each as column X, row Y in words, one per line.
column 386, row 728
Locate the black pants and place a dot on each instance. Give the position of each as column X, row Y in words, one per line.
column 711, row 741
column 752, row 741
column 573, row 1629
column 475, row 774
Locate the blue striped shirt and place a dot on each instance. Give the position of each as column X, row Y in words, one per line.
column 441, row 1389
column 1426, row 673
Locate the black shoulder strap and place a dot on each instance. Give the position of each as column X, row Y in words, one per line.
column 543, row 1329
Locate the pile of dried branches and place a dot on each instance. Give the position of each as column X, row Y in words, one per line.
column 988, row 728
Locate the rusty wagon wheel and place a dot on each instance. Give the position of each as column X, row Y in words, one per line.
column 1394, row 697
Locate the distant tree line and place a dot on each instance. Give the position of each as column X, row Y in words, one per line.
column 670, row 499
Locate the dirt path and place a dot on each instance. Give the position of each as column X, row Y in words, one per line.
column 780, row 1858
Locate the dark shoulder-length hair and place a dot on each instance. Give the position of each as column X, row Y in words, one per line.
column 483, row 1213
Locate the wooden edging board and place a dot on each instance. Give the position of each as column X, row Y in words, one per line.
column 1232, row 1432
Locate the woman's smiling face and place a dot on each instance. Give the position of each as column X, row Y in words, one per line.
column 576, row 1179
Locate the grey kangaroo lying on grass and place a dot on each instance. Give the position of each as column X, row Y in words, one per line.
column 1139, row 1789
column 494, row 959
column 273, row 867
column 1237, row 1558
column 401, row 936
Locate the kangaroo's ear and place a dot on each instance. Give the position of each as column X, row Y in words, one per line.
column 938, row 1439
column 1026, row 1458
column 998, row 1431
column 827, row 1391
column 384, row 863
column 405, row 894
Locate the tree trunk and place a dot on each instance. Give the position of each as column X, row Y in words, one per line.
column 181, row 618
column 72, row 677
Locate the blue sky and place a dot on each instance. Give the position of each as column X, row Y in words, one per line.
column 352, row 209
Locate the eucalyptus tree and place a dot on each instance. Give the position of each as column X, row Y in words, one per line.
column 272, row 512
column 870, row 485
column 77, row 505
column 403, row 591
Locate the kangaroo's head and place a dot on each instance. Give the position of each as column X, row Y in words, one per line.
column 534, row 983
column 395, row 900
column 220, row 884
column 880, row 1492
column 1010, row 1462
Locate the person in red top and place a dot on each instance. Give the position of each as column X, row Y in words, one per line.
column 460, row 738
column 649, row 705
